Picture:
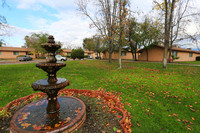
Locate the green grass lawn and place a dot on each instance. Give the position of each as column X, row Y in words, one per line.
column 189, row 62
column 159, row 100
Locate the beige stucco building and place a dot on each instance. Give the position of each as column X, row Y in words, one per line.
column 86, row 52
column 155, row 53
column 13, row 52
column 125, row 55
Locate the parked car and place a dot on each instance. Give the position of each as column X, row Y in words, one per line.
column 97, row 57
column 90, row 57
column 60, row 58
column 24, row 58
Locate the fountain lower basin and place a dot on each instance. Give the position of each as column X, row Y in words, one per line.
column 34, row 118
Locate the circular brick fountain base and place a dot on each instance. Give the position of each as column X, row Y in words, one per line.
column 34, row 118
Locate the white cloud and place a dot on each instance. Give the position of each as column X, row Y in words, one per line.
column 69, row 27
column 27, row 4
column 192, row 28
column 37, row 22
column 73, row 30
column 142, row 5
column 37, row 4
column 15, row 35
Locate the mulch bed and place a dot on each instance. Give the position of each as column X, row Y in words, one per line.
column 104, row 111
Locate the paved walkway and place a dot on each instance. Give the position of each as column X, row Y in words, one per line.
column 3, row 62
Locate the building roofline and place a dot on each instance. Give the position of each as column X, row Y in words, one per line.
column 16, row 49
column 174, row 49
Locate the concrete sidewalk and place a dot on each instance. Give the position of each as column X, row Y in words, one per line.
column 4, row 62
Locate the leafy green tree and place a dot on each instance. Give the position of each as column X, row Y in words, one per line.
column 60, row 49
column 77, row 53
column 89, row 44
column 73, row 54
column 150, row 34
column 2, row 43
column 93, row 44
column 35, row 40
column 134, row 36
column 98, row 45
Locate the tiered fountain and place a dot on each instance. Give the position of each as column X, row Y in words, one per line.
column 62, row 114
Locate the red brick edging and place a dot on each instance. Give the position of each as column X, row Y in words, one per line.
column 111, row 100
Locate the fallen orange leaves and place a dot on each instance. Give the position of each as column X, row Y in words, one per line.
column 25, row 125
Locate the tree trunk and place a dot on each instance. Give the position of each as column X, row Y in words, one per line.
column 99, row 54
column 165, row 57
column 110, row 50
column 168, row 22
column 136, row 47
column 147, row 54
column 166, row 41
column 119, row 56
column 110, row 56
column 135, row 55
column 170, row 52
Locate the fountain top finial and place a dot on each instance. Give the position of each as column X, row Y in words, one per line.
column 51, row 39
column 51, row 46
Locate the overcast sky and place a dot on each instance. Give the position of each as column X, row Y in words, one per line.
column 59, row 18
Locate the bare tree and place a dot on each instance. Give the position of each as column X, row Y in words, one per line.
column 104, row 19
column 3, row 24
column 122, row 22
column 169, row 14
column 177, row 16
column 183, row 15
column 167, row 7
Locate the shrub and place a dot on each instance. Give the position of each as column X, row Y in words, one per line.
column 86, row 56
column 174, row 57
column 68, row 56
column 97, row 57
column 20, row 55
column 73, row 54
column 77, row 53
column 30, row 53
column 41, row 57
column 198, row 58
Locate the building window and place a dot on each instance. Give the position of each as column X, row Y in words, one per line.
column 190, row 54
column 123, row 53
column 0, row 52
column 69, row 53
column 89, row 54
column 175, row 53
column 15, row 53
